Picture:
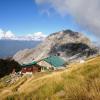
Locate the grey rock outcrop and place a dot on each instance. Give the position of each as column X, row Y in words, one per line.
column 65, row 43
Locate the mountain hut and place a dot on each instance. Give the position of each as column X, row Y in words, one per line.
column 52, row 62
column 30, row 68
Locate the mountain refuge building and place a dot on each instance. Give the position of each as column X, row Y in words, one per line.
column 49, row 63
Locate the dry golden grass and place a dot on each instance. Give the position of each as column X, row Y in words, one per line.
column 79, row 82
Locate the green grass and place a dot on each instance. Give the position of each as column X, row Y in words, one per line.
column 80, row 82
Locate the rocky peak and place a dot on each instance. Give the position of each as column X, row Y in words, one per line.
column 66, row 42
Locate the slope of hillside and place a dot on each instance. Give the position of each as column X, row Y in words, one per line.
column 67, row 43
column 81, row 81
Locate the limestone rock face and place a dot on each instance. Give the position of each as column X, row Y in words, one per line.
column 65, row 43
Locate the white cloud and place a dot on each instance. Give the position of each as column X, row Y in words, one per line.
column 1, row 33
column 85, row 12
column 6, row 35
column 39, row 34
column 10, row 35
column 36, row 36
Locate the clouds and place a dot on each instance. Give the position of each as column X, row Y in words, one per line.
column 45, row 11
column 85, row 12
column 36, row 36
column 1, row 33
column 10, row 35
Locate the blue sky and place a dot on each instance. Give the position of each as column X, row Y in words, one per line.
column 25, row 17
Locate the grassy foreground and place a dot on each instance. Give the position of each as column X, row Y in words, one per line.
column 78, row 82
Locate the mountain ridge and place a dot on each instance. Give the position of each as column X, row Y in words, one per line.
column 62, row 43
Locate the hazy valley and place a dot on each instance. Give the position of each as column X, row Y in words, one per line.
column 9, row 47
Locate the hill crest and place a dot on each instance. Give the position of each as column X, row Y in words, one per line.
column 66, row 43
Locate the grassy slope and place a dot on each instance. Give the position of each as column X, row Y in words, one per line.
column 79, row 82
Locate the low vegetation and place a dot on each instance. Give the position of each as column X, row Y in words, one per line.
column 7, row 66
column 81, row 81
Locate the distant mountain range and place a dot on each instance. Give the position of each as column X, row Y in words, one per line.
column 9, row 47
